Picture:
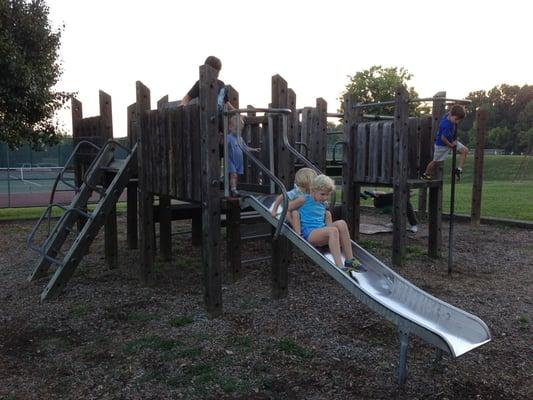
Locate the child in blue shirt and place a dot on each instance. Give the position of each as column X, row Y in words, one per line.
column 302, row 184
column 445, row 140
column 318, row 227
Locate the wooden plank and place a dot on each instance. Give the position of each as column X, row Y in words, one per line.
column 306, row 129
column 412, row 148
column 350, row 199
column 131, row 193
column 292, row 121
column 186, row 153
column 210, row 167
column 401, row 193
column 361, row 150
column 164, row 212
column 110, row 225
column 176, row 145
column 106, row 115
column 321, row 115
column 233, row 217
column 435, row 194
column 477, row 185
column 164, row 145
column 387, row 153
column 195, row 176
column 281, row 246
column 146, row 211
column 426, row 145
column 374, row 167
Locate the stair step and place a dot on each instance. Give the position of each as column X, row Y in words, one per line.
column 114, row 166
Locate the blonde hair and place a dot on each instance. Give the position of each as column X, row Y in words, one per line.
column 323, row 183
column 303, row 178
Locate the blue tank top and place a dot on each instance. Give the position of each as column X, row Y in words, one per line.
column 312, row 213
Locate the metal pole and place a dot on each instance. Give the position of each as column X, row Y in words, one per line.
column 8, row 177
column 451, row 241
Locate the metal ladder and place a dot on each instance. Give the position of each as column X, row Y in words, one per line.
column 91, row 221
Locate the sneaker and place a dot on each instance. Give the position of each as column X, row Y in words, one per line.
column 458, row 173
column 234, row 193
column 414, row 228
column 353, row 265
column 389, row 225
column 425, row 177
column 371, row 194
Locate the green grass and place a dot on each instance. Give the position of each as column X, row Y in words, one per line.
column 292, row 348
column 151, row 342
column 502, row 195
column 182, row 320
column 7, row 214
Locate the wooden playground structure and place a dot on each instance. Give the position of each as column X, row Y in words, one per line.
column 177, row 158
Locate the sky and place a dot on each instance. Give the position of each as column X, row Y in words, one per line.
column 455, row 46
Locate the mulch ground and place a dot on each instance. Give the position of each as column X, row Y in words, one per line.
column 111, row 337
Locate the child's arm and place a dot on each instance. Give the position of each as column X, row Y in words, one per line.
column 447, row 142
column 275, row 206
column 328, row 218
column 296, row 203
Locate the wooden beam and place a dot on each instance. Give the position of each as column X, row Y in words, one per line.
column 281, row 246
column 165, row 221
column 401, row 192
column 350, row 190
column 146, row 198
column 131, row 192
column 210, row 181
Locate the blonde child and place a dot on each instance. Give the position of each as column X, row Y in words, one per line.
column 318, row 227
column 302, row 184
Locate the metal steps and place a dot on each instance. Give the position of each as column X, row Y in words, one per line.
column 104, row 166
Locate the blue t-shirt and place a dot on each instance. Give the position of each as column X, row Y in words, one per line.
column 446, row 128
column 295, row 193
column 312, row 213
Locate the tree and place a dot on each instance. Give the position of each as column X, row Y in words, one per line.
column 379, row 84
column 29, row 69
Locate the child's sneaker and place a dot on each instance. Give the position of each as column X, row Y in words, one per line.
column 458, row 173
column 353, row 265
column 414, row 228
column 426, row 177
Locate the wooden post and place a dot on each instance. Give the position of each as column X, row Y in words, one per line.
column 131, row 191
column 477, row 184
column 233, row 216
column 233, row 237
column 146, row 198
column 319, row 139
column 401, row 192
column 210, row 181
column 77, row 116
column 165, row 218
column 110, row 225
column 435, row 193
column 281, row 246
column 350, row 190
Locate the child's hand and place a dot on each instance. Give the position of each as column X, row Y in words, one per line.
column 273, row 213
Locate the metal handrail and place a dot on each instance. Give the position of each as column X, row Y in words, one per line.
column 417, row 100
column 340, row 142
column 302, row 158
column 248, row 152
column 304, row 145
column 92, row 166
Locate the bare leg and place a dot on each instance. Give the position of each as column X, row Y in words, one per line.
column 233, row 179
column 345, row 241
column 330, row 236
column 463, row 153
column 429, row 168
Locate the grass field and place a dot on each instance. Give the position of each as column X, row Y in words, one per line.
column 502, row 197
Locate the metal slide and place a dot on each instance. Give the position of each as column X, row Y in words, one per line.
column 414, row 311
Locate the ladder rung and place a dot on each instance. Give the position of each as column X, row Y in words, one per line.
column 114, row 166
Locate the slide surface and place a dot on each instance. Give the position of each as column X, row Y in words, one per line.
column 387, row 293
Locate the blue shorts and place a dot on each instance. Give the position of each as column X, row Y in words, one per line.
column 235, row 157
column 306, row 232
